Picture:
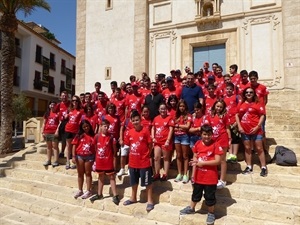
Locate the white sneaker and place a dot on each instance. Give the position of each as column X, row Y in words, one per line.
column 121, row 172
column 221, row 184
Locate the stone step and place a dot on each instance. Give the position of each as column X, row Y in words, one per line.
column 13, row 216
column 80, row 214
column 289, row 134
column 163, row 191
column 274, row 127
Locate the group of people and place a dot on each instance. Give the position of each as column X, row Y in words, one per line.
column 198, row 117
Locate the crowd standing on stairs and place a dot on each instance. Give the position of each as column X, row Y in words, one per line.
column 198, row 117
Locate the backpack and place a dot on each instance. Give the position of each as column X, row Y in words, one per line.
column 284, row 156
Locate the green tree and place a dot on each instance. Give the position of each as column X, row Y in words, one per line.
column 20, row 109
column 8, row 28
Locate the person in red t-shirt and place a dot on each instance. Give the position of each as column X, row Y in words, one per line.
column 232, row 101
column 206, row 71
column 139, row 141
column 146, row 120
column 63, row 108
column 171, row 89
column 104, row 163
column 133, row 100
column 207, row 156
column 50, row 133
column 182, row 140
column 72, row 127
column 235, row 77
column 91, row 117
column 119, row 102
column 172, row 105
column 84, row 155
column 218, row 119
column 101, row 104
column 249, row 119
column 244, row 82
column 162, row 131
column 114, row 127
column 97, row 91
column 210, row 98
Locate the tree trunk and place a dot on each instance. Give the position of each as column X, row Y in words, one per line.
column 7, row 58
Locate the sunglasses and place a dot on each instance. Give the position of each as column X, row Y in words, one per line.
column 75, row 100
column 249, row 92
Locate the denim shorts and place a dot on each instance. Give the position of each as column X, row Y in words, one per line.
column 182, row 139
column 88, row 158
column 193, row 140
column 252, row 137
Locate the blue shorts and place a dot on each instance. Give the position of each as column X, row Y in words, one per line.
column 193, row 140
column 182, row 139
column 144, row 173
column 263, row 125
column 88, row 158
column 252, row 137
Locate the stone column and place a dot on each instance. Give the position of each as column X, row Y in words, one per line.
column 141, row 27
column 80, row 46
column 291, row 43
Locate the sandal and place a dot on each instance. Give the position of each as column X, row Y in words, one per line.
column 96, row 197
column 78, row 194
column 149, row 207
column 128, row 202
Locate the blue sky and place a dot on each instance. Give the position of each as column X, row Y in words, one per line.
column 61, row 21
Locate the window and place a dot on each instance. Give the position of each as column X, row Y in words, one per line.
column 37, row 84
column 74, row 72
column 107, row 73
column 73, row 89
column 63, row 67
column 38, row 54
column 51, row 87
column 16, row 80
column 62, row 86
column 18, row 48
column 108, row 4
column 52, row 61
column 208, row 9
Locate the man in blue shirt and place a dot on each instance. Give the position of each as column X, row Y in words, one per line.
column 192, row 93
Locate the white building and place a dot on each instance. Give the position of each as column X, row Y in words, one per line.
column 42, row 68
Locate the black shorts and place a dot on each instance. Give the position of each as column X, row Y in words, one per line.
column 106, row 172
column 61, row 131
column 69, row 135
column 145, row 174
column 235, row 135
column 209, row 193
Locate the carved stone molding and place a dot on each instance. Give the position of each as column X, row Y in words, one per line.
column 272, row 83
column 171, row 34
column 265, row 19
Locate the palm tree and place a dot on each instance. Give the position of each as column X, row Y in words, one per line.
column 8, row 28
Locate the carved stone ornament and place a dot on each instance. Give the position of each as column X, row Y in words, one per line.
column 272, row 83
column 170, row 34
column 265, row 19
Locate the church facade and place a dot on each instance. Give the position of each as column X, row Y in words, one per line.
column 116, row 39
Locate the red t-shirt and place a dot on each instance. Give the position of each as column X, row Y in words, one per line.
column 62, row 108
column 199, row 122
column 144, row 92
column 104, row 151
column 249, row 114
column 162, row 128
column 84, row 145
column 218, row 124
column 231, row 107
column 92, row 119
column 261, row 91
column 139, row 153
column 127, row 126
column 182, row 120
column 235, row 79
column 242, row 86
column 72, row 125
column 147, row 123
column 51, row 123
column 209, row 102
column 172, row 112
column 133, row 101
column 114, row 125
column 176, row 91
column 120, row 107
column 206, row 174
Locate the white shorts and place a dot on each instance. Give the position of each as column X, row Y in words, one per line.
column 124, row 150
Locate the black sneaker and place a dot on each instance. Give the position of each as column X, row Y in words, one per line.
column 96, row 197
column 264, row 172
column 61, row 155
column 247, row 171
column 116, row 199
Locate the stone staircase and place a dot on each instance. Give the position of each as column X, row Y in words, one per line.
column 33, row 194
